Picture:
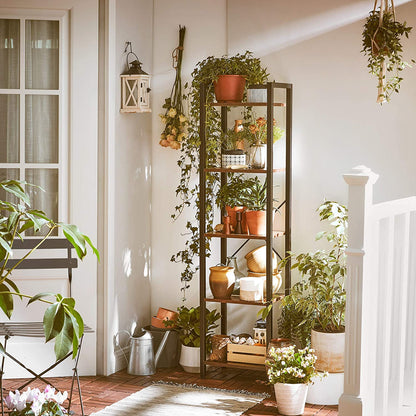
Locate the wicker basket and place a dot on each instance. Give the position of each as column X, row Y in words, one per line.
column 256, row 260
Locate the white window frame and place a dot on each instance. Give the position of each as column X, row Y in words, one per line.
column 62, row 93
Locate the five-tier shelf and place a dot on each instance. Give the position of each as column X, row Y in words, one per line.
column 270, row 233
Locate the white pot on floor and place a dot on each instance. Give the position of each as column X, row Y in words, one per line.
column 190, row 359
column 290, row 398
column 329, row 349
column 327, row 390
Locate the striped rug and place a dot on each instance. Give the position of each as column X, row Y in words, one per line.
column 182, row 400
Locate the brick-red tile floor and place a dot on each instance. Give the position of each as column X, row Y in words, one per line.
column 100, row 391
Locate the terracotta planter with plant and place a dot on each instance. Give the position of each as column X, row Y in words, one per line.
column 187, row 324
column 229, row 88
column 319, row 296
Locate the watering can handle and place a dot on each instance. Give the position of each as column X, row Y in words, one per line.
column 161, row 347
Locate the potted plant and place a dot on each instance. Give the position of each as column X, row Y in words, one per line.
column 61, row 320
column 188, row 325
column 231, row 153
column 255, row 199
column 231, row 197
column 382, row 45
column 320, row 293
column 290, row 371
column 257, row 138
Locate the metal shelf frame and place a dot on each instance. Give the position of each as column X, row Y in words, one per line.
column 288, row 105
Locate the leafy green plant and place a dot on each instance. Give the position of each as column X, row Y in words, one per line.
column 320, row 293
column 188, row 325
column 61, row 321
column 254, row 196
column 205, row 73
column 230, row 138
column 295, row 325
column 381, row 43
column 232, row 193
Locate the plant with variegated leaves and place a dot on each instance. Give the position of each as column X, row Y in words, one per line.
column 61, row 320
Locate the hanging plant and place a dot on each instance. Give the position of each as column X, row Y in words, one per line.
column 381, row 43
column 206, row 72
column 176, row 123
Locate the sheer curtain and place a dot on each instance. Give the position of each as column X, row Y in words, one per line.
column 41, row 107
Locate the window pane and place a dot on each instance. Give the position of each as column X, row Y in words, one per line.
column 45, row 201
column 9, row 128
column 42, row 121
column 42, row 54
column 9, row 53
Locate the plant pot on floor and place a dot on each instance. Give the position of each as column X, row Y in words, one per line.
column 329, row 349
column 290, row 398
column 190, row 359
column 256, row 222
column 229, row 88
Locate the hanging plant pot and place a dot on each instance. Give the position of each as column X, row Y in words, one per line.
column 229, row 88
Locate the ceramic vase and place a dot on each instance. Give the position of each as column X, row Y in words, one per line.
column 221, row 281
column 231, row 212
column 290, row 398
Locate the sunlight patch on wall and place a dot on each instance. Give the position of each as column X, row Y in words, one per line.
column 127, row 269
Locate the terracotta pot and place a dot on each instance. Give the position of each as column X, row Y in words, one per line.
column 329, row 349
column 163, row 313
column 256, row 222
column 221, row 281
column 229, row 88
column 290, row 398
column 233, row 221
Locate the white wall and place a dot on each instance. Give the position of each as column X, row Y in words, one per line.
column 337, row 124
column 128, row 183
column 205, row 35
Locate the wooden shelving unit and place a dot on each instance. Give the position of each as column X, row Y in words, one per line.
column 270, row 234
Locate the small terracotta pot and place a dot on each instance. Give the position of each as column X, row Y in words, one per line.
column 163, row 313
column 221, row 281
column 229, row 88
column 233, row 220
column 256, row 222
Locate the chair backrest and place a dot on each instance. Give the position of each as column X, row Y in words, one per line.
column 63, row 262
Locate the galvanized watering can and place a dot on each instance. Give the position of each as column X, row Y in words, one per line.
column 142, row 360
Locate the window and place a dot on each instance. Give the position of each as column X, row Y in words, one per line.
column 32, row 134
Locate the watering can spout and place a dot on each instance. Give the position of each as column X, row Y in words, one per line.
column 161, row 347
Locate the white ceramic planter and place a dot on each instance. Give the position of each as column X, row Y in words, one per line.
column 326, row 391
column 190, row 359
column 290, row 398
column 329, row 348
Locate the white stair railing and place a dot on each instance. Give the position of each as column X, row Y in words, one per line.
column 380, row 352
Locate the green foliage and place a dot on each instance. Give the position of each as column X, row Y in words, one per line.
column 255, row 194
column 188, row 324
column 381, row 43
column 232, row 193
column 205, row 73
column 320, row 294
column 61, row 321
column 230, row 138
column 295, row 324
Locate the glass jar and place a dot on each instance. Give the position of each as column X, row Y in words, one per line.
column 232, row 262
column 258, row 154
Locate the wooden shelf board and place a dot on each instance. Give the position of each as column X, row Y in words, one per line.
column 276, row 233
column 244, row 104
column 228, row 170
column 257, row 367
column 236, row 300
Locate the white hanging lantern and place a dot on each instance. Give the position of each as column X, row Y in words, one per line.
column 135, row 87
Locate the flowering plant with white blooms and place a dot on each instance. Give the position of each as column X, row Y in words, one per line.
column 33, row 402
column 290, row 366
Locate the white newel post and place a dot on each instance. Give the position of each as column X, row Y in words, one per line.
column 353, row 401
